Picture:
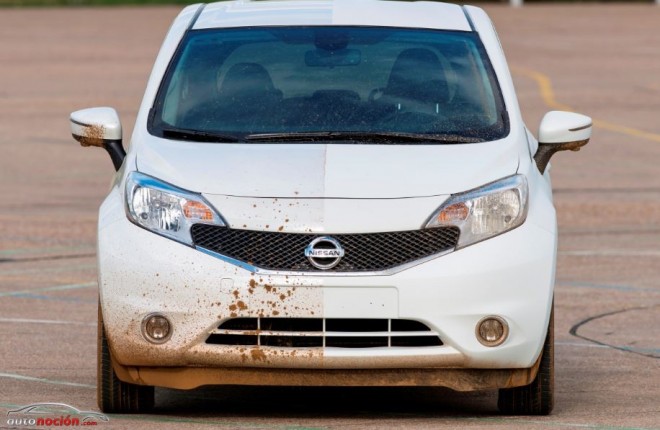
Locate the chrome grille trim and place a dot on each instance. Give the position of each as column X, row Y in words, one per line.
column 258, row 270
column 365, row 254
column 314, row 333
column 319, row 333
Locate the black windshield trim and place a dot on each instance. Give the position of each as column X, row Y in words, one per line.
column 468, row 17
column 360, row 137
column 199, row 135
column 194, row 19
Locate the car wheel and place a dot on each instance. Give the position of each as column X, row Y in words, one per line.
column 536, row 398
column 114, row 395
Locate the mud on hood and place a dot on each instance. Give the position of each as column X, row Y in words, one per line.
column 332, row 170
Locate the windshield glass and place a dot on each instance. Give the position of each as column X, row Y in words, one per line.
column 330, row 83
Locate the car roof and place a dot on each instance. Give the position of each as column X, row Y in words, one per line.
column 415, row 14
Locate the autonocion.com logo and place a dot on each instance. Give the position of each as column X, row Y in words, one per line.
column 53, row 415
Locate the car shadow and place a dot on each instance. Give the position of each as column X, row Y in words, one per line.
column 320, row 402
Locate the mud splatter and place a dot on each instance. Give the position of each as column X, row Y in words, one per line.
column 93, row 136
column 258, row 355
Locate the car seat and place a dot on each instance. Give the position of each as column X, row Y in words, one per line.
column 247, row 97
column 417, row 82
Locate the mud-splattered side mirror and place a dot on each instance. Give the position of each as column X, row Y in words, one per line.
column 561, row 131
column 99, row 127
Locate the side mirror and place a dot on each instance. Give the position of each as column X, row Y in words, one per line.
column 561, row 131
column 99, row 127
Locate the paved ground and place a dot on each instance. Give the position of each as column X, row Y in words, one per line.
column 600, row 60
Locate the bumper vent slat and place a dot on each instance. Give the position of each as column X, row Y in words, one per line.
column 370, row 252
column 309, row 333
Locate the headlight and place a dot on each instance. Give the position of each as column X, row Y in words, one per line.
column 486, row 211
column 166, row 210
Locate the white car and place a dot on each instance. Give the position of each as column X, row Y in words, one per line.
column 336, row 193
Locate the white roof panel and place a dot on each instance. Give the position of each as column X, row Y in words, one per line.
column 417, row 14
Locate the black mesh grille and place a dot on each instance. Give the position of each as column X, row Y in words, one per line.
column 363, row 252
column 319, row 332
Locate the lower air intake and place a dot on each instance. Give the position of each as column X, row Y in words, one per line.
column 324, row 333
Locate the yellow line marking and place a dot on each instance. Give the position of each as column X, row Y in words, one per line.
column 627, row 130
column 545, row 87
column 547, row 94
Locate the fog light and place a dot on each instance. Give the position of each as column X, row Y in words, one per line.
column 492, row 331
column 156, row 328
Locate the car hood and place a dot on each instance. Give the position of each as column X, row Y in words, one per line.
column 333, row 170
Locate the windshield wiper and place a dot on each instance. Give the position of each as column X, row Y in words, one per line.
column 361, row 137
column 198, row 135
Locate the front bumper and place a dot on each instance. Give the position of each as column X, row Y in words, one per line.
column 184, row 378
column 511, row 276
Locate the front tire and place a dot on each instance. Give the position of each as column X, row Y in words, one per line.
column 114, row 395
column 536, row 398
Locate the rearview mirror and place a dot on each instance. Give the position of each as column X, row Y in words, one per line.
column 561, row 131
column 99, row 127
column 342, row 57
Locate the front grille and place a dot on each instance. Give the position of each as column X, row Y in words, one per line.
column 369, row 252
column 323, row 332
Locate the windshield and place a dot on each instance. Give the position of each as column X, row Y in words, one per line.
column 330, row 83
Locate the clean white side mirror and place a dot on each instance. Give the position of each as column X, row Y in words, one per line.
column 561, row 131
column 99, row 127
